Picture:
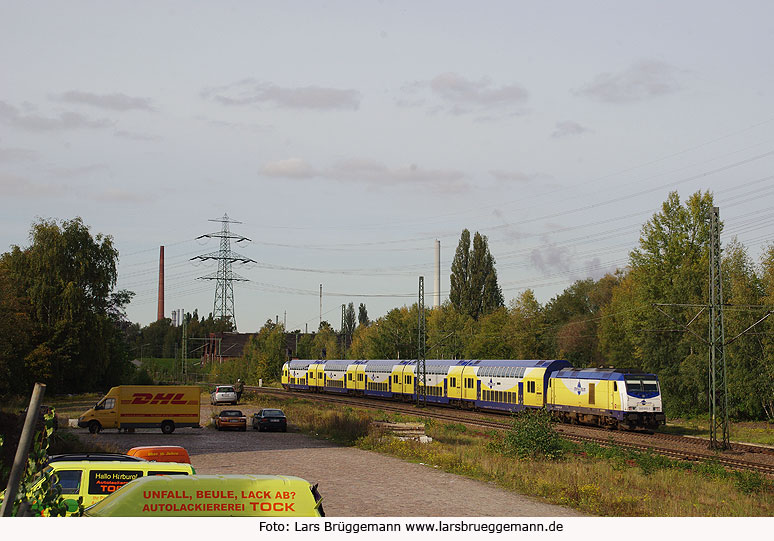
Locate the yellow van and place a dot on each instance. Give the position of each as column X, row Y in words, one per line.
column 128, row 407
column 213, row 496
column 93, row 477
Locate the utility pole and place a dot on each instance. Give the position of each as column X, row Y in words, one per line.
column 421, row 365
column 224, row 277
column 719, row 437
column 184, row 352
column 318, row 328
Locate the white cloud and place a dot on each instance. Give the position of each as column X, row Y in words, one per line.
column 457, row 95
column 370, row 173
column 253, row 92
column 79, row 172
column 514, row 176
column 13, row 116
column 16, row 186
column 134, row 136
column 290, row 168
column 8, row 155
column 645, row 79
column 122, row 196
column 568, row 129
column 113, row 102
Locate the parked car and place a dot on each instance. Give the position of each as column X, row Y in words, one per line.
column 92, row 476
column 270, row 419
column 213, row 496
column 223, row 394
column 161, row 453
column 45, row 410
column 231, row 419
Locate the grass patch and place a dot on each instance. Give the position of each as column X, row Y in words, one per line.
column 758, row 432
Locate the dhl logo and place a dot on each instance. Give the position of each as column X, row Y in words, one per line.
column 160, row 398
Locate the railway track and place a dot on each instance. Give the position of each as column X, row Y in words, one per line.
column 742, row 456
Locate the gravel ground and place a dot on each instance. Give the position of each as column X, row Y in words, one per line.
column 352, row 482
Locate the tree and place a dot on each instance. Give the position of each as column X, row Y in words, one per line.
column 448, row 332
column 265, row 353
column 526, row 326
column 670, row 266
column 362, row 316
column 474, row 289
column 745, row 355
column 326, row 343
column 349, row 322
column 64, row 280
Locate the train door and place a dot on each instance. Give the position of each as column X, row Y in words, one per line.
column 614, row 403
column 521, row 393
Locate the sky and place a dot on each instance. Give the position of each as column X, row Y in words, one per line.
column 345, row 137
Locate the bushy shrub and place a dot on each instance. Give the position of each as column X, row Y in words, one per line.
column 531, row 435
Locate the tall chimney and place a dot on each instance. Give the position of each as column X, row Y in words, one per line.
column 161, row 284
column 437, row 281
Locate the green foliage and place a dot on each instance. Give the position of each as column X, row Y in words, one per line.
column 751, row 482
column 57, row 298
column 349, row 321
column 531, row 435
column 474, row 289
column 264, row 355
column 362, row 316
column 46, row 498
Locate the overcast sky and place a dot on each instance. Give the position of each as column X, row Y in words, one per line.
column 347, row 136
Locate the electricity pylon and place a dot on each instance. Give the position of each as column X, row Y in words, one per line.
column 224, row 277
column 719, row 437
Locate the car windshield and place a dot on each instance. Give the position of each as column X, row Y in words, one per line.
column 231, row 413
column 225, row 389
column 273, row 413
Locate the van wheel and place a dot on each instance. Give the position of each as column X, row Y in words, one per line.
column 167, row 427
column 94, row 427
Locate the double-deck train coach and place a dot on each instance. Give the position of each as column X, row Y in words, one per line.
column 509, row 385
column 605, row 397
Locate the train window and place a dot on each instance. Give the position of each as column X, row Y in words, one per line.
column 615, row 386
column 311, row 375
column 395, row 378
column 453, row 382
column 349, row 377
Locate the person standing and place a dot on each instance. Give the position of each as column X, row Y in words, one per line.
column 239, row 386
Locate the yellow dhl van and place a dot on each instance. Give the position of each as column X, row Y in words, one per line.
column 213, row 496
column 144, row 406
column 93, row 477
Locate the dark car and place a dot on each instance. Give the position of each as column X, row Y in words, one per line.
column 231, row 419
column 270, row 419
column 45, row 410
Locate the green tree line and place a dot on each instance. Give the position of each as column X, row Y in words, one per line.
column 61, row 322
column 647, row 316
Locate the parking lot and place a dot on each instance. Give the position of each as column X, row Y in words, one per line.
column 352, row 482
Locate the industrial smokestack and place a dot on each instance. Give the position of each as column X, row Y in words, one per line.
column 437, row 281
column 161, row 284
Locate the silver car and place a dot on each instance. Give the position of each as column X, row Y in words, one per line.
column 223, row 394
